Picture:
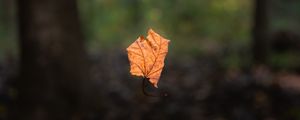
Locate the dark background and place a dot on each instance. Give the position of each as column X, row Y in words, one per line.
column 228, row 59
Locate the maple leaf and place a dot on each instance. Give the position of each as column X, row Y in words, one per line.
column 147, row 56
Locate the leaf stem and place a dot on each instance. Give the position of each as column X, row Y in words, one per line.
column 144, row 85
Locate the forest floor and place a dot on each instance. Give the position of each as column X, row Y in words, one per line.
column 197, row 87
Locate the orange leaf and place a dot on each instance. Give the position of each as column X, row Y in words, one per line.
column 147, row 56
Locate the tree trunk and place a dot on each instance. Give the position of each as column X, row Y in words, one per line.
column 260, row 31
column 53, row 66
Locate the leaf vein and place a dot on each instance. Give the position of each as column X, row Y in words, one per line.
column 143, row 57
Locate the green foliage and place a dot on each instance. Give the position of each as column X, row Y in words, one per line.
column 218, row 27
column 113, row 23
column 8, row 36
column 286, row 60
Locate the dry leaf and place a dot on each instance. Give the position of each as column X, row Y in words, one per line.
column 147, row 56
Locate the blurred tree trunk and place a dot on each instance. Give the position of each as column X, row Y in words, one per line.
column 260, row 31
column 53, row 62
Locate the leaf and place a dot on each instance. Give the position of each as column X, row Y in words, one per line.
column 147, row 56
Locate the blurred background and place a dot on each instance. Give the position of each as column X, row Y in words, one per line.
column 228, row 59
